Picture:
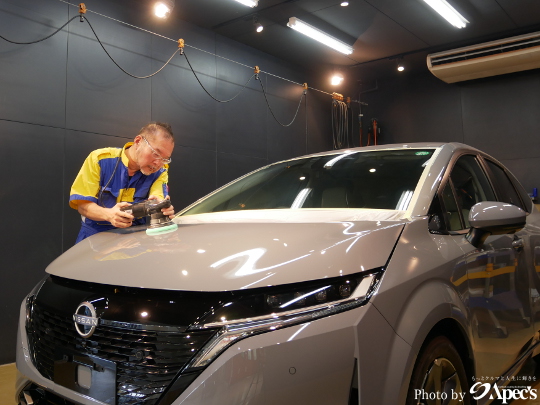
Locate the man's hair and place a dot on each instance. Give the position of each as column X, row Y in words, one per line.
column 155, row 128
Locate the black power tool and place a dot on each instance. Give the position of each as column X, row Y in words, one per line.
column 159, row 223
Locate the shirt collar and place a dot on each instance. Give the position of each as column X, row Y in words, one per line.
column 125, row 159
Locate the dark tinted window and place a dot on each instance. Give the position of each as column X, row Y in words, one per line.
column 470, row 184
column 505, row 189
column 375, row 179
column 451, row 209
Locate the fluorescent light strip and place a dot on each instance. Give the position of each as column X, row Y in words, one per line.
column 332, row 162
column 448, row 12
column 404, row 200
column 300, row 198
column 249, row 3
column 319, row 35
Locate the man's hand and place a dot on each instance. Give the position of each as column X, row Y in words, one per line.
column 166, row 211
column 120, row 219
column 117, row 218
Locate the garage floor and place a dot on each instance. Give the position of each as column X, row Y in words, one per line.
column 531, row 368
column 8, row 372
column 7, row 384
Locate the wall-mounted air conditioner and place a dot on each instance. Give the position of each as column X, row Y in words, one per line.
column 488, row 59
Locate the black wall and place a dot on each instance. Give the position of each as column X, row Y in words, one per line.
column 499, row 115
column 62, row 98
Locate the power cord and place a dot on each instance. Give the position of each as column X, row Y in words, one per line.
column 340, row 125
column 272, row 112
column 219, row 101
column 120, row 67
column 39, row 40
column 82, row 11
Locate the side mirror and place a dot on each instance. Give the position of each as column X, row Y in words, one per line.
column 493, row 218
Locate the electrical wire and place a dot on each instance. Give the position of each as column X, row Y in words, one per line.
column 340, row 126
column 39, row 40
column 191, row 46
column 204, row 88
column 114, row 19
column 272, row 112
column 84, row 18
column 352, row 121
column 120, row 67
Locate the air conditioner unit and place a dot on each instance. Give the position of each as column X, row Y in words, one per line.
column 488, row 59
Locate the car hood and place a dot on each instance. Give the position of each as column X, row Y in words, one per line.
column 223, row 252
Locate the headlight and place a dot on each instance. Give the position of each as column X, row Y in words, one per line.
column 29, row 303
column 278, row 307
column 29, row 308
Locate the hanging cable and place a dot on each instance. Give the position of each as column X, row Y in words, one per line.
column 180, row 50
column 191, row 46
column 120, row 67
column 204, row 88
column 272, row 112
column 350, row 123
column 39, row 40
column 340, row 126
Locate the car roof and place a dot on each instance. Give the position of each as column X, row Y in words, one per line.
column 448, row 146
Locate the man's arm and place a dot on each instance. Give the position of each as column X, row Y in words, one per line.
column 117, row 218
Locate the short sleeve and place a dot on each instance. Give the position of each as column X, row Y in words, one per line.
column 86, row 184
column 159, row 187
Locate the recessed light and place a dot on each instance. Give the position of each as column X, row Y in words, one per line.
column 163, row 8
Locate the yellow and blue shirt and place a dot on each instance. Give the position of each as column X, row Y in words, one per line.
column 95, row 173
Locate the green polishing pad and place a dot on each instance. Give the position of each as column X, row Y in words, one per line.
column 162, row 229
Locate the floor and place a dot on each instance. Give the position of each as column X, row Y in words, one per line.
column 7, row 384
column 530, row 369
column 8, row 372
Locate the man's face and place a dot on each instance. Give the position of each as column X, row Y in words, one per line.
column 152, row 152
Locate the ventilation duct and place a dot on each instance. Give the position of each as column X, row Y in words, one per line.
column 488, row 59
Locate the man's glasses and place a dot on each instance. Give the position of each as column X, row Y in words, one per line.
column 155, row 154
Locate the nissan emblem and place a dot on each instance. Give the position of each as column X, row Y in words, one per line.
column 85, row 319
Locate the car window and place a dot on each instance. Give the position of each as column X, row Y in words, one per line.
column 471, row 185
column 372, row 179
column 451, row 215
column 505, row 188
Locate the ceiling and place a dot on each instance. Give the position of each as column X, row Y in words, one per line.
column 381, row 31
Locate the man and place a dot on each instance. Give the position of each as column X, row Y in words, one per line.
column 112, row 178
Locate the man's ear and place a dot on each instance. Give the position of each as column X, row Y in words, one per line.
column 137, row 140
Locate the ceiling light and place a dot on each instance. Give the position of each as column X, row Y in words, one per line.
column 319, row 35
column 249, row 3
column 400, row 67
column 163, row 8
column 448, row 12
column 258, row 26
column 344, row 4
column 336, row 79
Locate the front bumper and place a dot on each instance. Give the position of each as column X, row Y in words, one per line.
column 309, row 363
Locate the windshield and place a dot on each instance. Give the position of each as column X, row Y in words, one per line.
column 374, row 179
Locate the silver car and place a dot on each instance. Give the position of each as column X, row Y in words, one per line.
column 395, row 274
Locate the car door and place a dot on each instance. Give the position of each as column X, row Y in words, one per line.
column 527, row 240
column 492, row 279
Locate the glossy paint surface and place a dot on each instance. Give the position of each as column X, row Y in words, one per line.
column 231, row 256
column 487, row 298
column 493, row 213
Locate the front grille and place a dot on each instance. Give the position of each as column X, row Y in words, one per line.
column 41, row 396
column 146, row 360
